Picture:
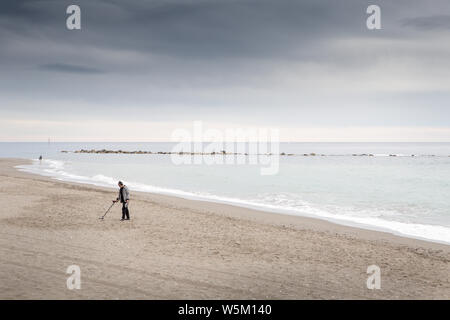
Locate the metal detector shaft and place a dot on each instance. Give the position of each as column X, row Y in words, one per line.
column 108, row 210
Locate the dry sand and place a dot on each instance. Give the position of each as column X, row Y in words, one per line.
column 182, row 249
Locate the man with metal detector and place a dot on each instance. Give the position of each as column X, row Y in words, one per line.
column 124, row 198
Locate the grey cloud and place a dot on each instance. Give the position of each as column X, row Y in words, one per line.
column 195, row 29
column 69, row 68
column 429, row 23
column 173, row 59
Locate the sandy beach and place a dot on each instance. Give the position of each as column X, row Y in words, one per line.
column 175, row 248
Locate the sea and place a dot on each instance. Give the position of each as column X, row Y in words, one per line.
column 400, row 188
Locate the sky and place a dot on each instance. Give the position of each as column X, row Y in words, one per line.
column 138, row 70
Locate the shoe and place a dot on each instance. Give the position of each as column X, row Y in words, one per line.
column 122, row 219
column 127, row 219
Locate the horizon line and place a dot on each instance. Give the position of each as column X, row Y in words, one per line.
column 115, row 141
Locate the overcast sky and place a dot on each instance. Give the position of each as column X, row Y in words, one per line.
column 139, row 69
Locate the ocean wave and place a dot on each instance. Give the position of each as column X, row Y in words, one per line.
column 276, row 203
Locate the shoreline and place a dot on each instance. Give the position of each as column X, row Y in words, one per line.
column 258, row 209
column 181, row 249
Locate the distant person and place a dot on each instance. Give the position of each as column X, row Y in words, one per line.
column 124, row 198
column 40, row 158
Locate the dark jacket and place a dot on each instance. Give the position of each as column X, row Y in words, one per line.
column 124, row 194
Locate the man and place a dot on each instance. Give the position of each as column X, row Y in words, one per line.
column 124, row 197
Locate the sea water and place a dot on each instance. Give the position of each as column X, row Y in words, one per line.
column 402, row 194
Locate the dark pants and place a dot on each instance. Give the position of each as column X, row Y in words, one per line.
column 125, row 211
